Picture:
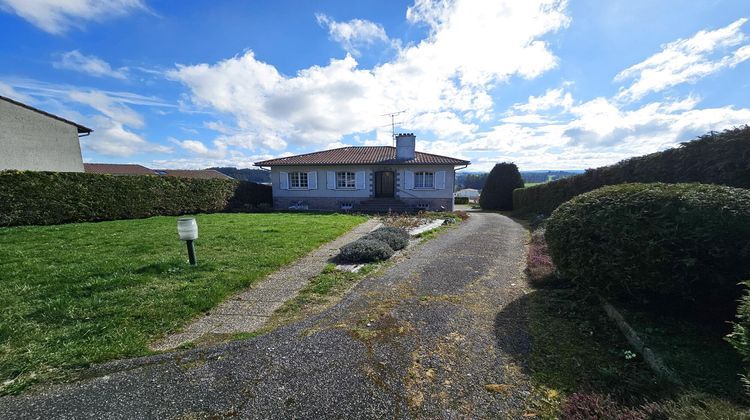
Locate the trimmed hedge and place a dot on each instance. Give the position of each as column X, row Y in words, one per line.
column 497, row 193
column 365, row 250
column 396, row 238
column 461, row 200
column 686, row 243
column 48, row 198
column 715, row 158
column 740, row 336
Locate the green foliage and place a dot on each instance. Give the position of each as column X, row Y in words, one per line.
column 682, row 242
column 47, row 198
column 365, row 250
column 396, row 238
column 497, row 193
column 461, row 200
column 715, row 158
column 740, row 336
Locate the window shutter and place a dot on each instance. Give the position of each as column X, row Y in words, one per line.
column 284, row 180
column 312, row 180
column 408, row 180
column 331, row 180
column 440, row 180
column 359, row 180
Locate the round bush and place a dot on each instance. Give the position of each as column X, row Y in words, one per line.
column 652, row 241
column 365, row 250
column 396, row 238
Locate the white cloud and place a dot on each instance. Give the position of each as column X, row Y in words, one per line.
column 353, row 34
column 8, row 91
column 686, row 61
column 446, row 78
column 198, row 148
column 89, row 64
column 58, row 16
column 553, row 98
column 111, row 138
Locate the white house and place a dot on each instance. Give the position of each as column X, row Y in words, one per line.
column 367, row 178
column 470, row 193
column 34, row 140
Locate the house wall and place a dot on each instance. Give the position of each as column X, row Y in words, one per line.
column 323, row 198
column 35, row 142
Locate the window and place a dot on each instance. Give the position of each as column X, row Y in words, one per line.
column 423, row 206
column 298, row 180
column 345, row 180
column 424, row 180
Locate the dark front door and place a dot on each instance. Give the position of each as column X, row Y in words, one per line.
column 384, row 185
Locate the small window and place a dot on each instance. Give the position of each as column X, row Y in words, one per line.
column 423, row 206
column 345, row 180
column 298, row 180
column 346, row 205
column 424, row 180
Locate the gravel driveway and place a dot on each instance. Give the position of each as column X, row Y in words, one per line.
column 421, row 339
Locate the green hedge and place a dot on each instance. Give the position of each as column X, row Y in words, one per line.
column 47, row 198
column 740, row 336
column 715, row 158
column 461, row 200
column 497, row 193
column 685, row 243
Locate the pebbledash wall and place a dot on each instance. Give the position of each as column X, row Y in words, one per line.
column 321, row 197
column 33, row 141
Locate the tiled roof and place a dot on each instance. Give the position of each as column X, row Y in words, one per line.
column 193, row 173
column 382, row 155
column 117, row 169
column 81, row 128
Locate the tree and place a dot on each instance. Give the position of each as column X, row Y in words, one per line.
column 497, row 193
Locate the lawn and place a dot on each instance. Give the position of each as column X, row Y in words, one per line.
column 78, row 294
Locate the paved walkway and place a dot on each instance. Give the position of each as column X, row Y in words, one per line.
column 249, row 310
column 439, row 334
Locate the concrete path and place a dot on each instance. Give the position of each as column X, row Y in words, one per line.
column 440, row 334
column 249, row 310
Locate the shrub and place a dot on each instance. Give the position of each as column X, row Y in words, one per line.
column 684, row 241
column 396, row 238
column 365, row 250
column 497, row 193
column 46, row 198
column 539, row 266
column 740, row 336
column 461, row 200
column 715, row 158
column 584, row 406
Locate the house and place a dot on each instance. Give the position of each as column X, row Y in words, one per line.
column 132, row 169
column 368, row 178
column 470, row 193
column 35, row 140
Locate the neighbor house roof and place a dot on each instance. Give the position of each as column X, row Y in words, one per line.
column 117, row 169
column 382, row 155
column 81, row 129
column 193, row 173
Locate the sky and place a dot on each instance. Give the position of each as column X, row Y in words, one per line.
column 547, row 84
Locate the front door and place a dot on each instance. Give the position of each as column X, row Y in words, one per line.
column 384, row 184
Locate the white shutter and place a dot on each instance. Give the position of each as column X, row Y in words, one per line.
column 331, row 180
column 312, row 180
column 284, row 180
column 408, row 180
column 359, row 180
column 440, row 180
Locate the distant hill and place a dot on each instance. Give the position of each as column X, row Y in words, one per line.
column 476, row 180
column 254, row 175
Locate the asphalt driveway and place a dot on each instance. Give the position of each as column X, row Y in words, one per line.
column 422, row 339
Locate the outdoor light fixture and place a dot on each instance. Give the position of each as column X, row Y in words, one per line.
column 187, row 228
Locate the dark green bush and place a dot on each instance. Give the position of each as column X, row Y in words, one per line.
column 680, row 242
column 365, row 250
column 461, row 200
column 715, row 158
column 47, row 198
column 740, row 336
column 396, row 238
column 497, row 193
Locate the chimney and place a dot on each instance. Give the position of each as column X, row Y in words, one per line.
column 405, row 143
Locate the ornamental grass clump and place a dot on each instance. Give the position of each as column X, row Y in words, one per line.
column 682, row 243
column 365, row 250
column 396, row 238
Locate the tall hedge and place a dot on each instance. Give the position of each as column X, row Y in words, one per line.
column 47, row 198
column 497, row 193
column 679, row 242
column 715, row 158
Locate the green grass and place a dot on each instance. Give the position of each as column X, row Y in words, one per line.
column 72, row 295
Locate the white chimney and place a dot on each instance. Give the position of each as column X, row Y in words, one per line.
column 405, row 143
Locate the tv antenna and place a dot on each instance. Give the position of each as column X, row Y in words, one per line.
column 393, row 123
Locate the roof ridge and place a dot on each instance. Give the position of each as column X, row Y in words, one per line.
column 80, row 128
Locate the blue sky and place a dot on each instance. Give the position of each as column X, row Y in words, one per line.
column 548, row 84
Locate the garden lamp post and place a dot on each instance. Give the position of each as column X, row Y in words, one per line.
column 187, row 228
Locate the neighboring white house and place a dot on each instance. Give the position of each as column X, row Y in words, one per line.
column 367, row 178
column 470, row 193
column 34, row 140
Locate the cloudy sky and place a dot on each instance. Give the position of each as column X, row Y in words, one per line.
column 548, row 84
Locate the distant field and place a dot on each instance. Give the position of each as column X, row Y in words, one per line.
column 77, row 294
